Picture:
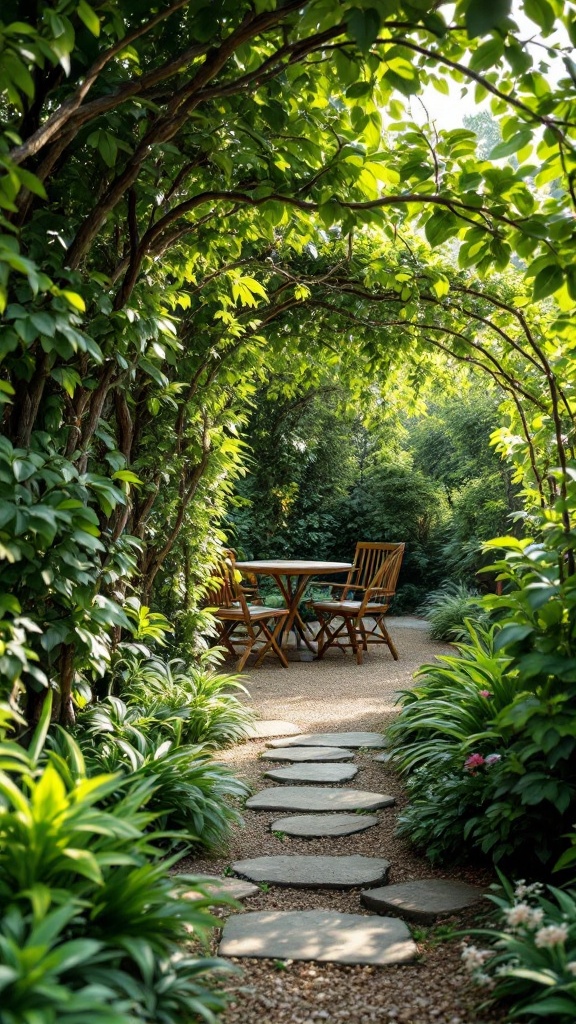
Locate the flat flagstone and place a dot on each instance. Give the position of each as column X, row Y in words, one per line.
column 424, row 899
column 308, row 754
column 324, row 935
column 271, row 727
column 317, row 798
column 235, row 887
column 333, row 739
column 312, row 773
column 310, row 825
column 303, row 872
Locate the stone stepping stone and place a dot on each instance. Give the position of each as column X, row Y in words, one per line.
column 308, row 754
column 313, row 773
column 310, row 825
column 324, row 935
column 235, row 887
column 271, row 727
column 317, row 798
column 423, row 900
column 302, row 872
column 333, row 739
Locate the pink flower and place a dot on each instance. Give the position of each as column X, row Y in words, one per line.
column 485, row 693
column 474, row 761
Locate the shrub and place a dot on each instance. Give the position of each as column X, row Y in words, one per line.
column 478, row 704
column 93, row 922
column 189, row 703
column 527, row 797
column 531, row 958
column 448, row 608
column 455, row 700
column 191, row 794
column 443, row 796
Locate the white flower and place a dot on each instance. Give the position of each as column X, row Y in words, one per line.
column 475, row 958
column 552, row 935
column 481, row 978
column 524, row 914
column 522, row 890
column 571, row 967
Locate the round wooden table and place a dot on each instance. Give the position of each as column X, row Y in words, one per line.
column 292, row 576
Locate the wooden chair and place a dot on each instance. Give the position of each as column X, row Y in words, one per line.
column 366, row 595
column 248, row 580
column 240, row 623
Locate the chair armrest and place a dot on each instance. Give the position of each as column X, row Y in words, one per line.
column 380, row 591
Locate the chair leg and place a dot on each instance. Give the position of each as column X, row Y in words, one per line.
column 331, row 638
column 249, row 645
column 272, row 643
column 224, row 637
column 322, row 644
column 356, row 647
column 387, row 638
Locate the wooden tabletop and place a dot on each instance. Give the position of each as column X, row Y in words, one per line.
column 293, row 567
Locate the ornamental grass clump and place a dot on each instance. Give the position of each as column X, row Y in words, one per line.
column 450, row 609
column 530, row 959
column 190, row 701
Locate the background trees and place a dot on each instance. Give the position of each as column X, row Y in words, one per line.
column 322, row 476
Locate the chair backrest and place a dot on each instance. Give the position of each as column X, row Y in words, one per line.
column 385, row 577
column 368, row 559
column 225, row 590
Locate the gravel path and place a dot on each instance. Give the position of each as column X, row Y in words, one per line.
column 337, row 695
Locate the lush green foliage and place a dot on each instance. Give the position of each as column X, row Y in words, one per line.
column 164, row 207
column 192, row 795
column 449, row 607
column 93, row 921
column 187, row 703
column 526, row 723
column 531, row 958
column 322, row 479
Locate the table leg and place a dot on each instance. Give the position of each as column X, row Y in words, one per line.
column 293, row 595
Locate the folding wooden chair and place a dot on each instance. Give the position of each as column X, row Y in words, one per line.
column 242, row 624
column 366, row 595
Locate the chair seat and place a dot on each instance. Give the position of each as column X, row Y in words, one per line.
column 255, row 612
column 348, row 607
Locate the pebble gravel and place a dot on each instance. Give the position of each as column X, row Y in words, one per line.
column 335, row 694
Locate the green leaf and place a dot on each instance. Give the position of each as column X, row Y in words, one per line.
column 89, row 17
column 358, row 89
column 41, row 731
column 363, row 26
column 487, row 54
column 127, row 476
column 540, row 12
column 32, row 183
column 441, row 226
column 85, row 864
column 547, row 281
column 484, row 15
column 44, row 323
column 520, row 139
column 511, row 634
